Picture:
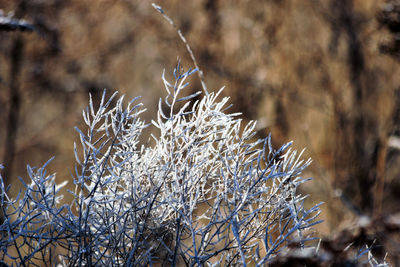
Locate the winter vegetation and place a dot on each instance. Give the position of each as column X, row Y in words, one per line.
column 205, row 193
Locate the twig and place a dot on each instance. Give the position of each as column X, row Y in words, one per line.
column 170, row 21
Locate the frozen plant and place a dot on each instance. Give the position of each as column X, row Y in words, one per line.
column 205, row 193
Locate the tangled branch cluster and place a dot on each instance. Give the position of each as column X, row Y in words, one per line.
column 205, row 193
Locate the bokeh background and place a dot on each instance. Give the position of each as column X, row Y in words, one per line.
column 325, row 74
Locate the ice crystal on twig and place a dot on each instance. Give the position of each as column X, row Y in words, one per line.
column 206, row 193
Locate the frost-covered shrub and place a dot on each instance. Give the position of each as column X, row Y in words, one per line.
column 206, row 192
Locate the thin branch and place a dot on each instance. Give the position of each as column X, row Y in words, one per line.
column 170, row 21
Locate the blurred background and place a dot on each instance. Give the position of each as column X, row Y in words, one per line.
column 324, row 73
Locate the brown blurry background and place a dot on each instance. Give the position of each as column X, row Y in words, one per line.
column 325, row 74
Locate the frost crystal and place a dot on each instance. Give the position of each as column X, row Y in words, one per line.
column 207, row 192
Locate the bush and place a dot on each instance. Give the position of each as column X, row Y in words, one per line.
column 205, row 193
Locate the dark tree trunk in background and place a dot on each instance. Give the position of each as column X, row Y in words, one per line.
column 14, row 109
column 357, row 146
